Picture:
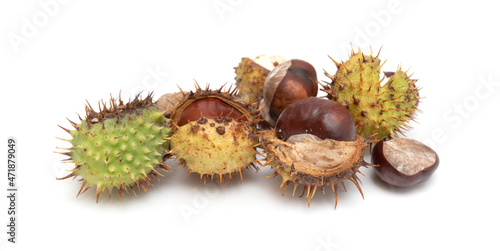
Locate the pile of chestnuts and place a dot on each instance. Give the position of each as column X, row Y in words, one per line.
column 273, row 112
column 313, row 141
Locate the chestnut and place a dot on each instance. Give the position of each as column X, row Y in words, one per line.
column 288, row 82
column 315, row 145
column 208, row 108
column 324, row 118
column 404, row 162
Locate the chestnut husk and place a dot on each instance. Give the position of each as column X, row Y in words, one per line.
column 214, row 142
column 314, row 164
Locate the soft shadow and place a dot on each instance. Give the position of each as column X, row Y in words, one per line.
column 397, row 190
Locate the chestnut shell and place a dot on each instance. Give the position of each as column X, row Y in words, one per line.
column 324, row 118
column 390, row 174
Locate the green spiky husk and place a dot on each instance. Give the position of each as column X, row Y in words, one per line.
column 215, row 146
column 378, row 110
column 119, row 147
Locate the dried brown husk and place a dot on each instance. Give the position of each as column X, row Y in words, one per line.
column 313, row 163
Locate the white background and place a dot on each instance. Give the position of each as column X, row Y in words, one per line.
column 53, row 59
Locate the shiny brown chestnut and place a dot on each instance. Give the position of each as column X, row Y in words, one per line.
column 323, row 118
column 288, row 82
column 208, row 108
column 404, row 162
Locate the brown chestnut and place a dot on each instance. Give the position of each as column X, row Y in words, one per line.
column 404, row 162
column 208, row 108
column 323, row 118
column 288, row 82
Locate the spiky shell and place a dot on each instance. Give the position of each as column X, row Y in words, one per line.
column 215, row 146
column 314, row 164
column 383, row 110
column 251, row 75
column 120, row 146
